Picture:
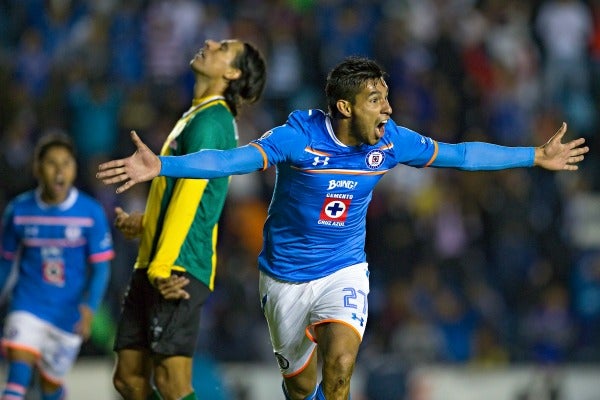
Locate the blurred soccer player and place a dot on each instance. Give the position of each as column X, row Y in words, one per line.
column 175, row 268
column 58, row 240
column 314, row 278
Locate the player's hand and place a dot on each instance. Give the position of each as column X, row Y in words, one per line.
column 141, row 166
column 557, row 156
column 171, row 288
column 130, row 225
column 84, row 326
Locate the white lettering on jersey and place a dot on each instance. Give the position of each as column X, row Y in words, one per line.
column 339, row 196
column 333, row 184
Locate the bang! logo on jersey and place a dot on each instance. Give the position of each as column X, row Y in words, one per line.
column 334, row 211
column 374, row 159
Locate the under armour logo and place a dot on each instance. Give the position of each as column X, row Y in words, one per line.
column 360, row 319
column 318, row 160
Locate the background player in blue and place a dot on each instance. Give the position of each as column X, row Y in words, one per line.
column 313, row 271
column 59, row 241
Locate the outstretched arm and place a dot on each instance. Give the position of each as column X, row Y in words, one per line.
column 476, row 156
column 144, row 165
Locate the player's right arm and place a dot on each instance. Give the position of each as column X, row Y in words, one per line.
column 213, row 163
column 144, row 165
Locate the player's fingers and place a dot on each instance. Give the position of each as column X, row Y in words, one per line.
column 112, row 175
column 114, row 179
column 561, row 131
column 136, row 140
column 111, row 164
column 126, row 186
column 577, row 145
column 576, row 159
column 180, row 294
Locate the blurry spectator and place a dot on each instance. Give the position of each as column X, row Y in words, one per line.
column 285, row 66
column 95, row 108
column 345, row 28
column 585, row 283
column 32, row 63
column 565, row 31
column 127, row 57
column 457, row 323
column 90, row 47
column 16, row 157
column 418, row 341
column 169, row 31
column 487, row 349
column 595, row 48
column 548, row 329
column 56, row 20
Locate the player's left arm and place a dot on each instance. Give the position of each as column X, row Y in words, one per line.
column 474, row 156
column 9, row 249
column 98, row 282
column 6, row 268
column 100, row 252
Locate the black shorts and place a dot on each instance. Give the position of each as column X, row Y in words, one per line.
column 164, row 327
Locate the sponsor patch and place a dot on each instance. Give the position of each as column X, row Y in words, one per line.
column 335, row 210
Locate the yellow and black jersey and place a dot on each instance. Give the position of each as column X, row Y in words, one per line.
column 181, row 217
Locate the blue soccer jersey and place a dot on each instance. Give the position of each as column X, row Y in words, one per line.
column 53, row 246
column 317, row 217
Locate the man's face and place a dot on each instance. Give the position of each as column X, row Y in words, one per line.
column 56, row 173
column 370, row 112
column 215, row 59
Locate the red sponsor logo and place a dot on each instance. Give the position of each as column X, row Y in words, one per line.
column 335, row 209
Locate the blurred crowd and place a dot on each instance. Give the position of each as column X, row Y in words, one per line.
column 486, row 267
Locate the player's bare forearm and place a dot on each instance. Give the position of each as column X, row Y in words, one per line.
column 557, row 156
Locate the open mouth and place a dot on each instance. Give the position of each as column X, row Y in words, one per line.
column 381, row 129
column 59, row 184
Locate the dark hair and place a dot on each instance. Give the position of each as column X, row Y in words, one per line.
column 249, row 86
column 50, row 140
column 348, row 78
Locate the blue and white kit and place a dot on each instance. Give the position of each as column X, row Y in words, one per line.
column 316, row 223
column 53, row 247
